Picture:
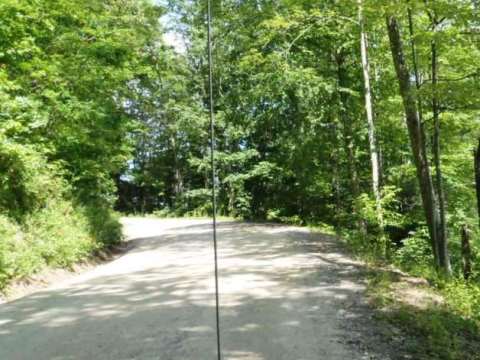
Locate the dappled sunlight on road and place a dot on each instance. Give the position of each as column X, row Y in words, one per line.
column 282, row 290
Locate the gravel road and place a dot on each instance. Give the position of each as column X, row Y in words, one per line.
column 285, row 294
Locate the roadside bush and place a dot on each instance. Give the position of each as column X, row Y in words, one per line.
column 8, row 232
column 59, row 234
column 464, row 299
column 276, row 216
column 103, row 223
column 40, row 225
column 27, row 180
column 391, row 215
column 166, row 212
column 199, row 203
column 415, row 253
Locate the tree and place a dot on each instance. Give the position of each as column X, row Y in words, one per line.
column 417, row 140
column 372, row 141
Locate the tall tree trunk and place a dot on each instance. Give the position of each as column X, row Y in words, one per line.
column 374, row 156
column 336, row 173
column 347, row 128
column 417, row 135
column 349, row 144
column 177, row 186
column 476, row 154
column 415, row 65
column 466, row 252
column 438, row 185
column 442, row 230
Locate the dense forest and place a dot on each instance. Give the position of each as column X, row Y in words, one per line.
column 358, row 116
column 327, row 114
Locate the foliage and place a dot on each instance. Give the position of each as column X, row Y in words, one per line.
column 8, row 235
column 389, row 203
column 58, row 235
column 291, row 134
column 96, row 110
column 415, row 253
column 29, row 181
column 275, row 215
column 448, row 330
column 67, row 69
column 464, row 299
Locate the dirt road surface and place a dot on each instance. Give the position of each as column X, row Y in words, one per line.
column 286, row 294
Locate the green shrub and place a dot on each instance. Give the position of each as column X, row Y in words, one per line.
column 166, row 212
column 415, row 253
column 103, row 223
column 199, row 203
column 17, row 256
column 40, row 225
column 391, row 215
column 8, row 232
column 27, row 180
column 242, row 205
column 276, row 216
column 58, row 235
column 464, row 299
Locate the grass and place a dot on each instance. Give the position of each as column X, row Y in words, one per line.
column 57, row 236
column 436, row 318
column 431, row 330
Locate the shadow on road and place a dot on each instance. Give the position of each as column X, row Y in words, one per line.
column 285, row 294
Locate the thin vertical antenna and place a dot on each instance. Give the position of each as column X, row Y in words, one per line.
column 212, row 160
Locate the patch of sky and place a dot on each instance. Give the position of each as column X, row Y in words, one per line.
column 169, row 22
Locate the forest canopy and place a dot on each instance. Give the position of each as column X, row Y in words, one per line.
column 357, row 116
column 360, row 118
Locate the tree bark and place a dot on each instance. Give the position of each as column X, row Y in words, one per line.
column 416, row 134
column 336, row 173
column 442, row 226
column 415, row 65
column 466, row 252
column 476, row 154
column 348, row 137
column 374, row 156
column 438, row 185
column 347, row 128
column 177, row 185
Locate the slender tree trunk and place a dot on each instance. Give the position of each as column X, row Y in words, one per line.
column 466, row 252
column 476, row 154
column 374, row 156
column 442, row 230
column 416, row 133
column 438, row 186
column 347, row 128
column 349, row 144
column 177, row 186
column 415, row 65
column 336, row 172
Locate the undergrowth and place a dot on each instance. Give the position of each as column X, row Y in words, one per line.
column 59, row 235
column 41, row 223
column 438, row 331
column 448, row 330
